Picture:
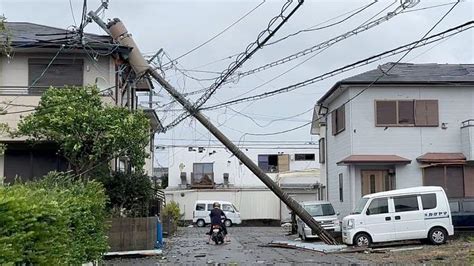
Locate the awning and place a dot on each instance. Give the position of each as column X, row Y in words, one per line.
column 374, row 159
column 442, row 158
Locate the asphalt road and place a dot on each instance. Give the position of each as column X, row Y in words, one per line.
column 189, row 247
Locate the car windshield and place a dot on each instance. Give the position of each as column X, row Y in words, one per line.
column 319, row 209
column 360, row 206
column 235, row 209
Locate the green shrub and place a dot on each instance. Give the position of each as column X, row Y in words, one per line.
column 53, row 221
column 171, row 210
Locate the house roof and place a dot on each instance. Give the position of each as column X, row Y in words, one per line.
column 408, row 73
column 374, row 159
column 26, row 35
column 441, row 157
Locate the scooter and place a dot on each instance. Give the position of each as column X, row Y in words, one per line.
column 217, row 234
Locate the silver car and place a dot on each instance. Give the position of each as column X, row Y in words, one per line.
column 322, row 212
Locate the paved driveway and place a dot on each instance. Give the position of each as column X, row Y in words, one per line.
column 189, row 247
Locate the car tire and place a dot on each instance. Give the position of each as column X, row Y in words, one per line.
column 362, row 240
column 200, row 223
column 437, row 236
column 228, row 223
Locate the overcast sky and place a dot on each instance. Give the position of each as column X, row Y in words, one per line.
column 179, row 26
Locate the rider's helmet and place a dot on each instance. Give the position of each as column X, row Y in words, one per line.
column 217, row 205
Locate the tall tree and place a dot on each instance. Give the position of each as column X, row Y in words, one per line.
column 89, row 132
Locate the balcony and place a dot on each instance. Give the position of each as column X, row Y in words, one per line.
column 23, row 90
column 467, row 139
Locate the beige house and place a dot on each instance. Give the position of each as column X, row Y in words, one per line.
column 44, row 56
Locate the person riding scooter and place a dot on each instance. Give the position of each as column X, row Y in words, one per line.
column 217, row 216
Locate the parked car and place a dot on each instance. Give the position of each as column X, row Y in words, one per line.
column 202, row 208
column 403, row 214
column 322, row 212
column 462, row 211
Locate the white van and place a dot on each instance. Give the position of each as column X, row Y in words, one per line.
column 403, row 214
column 322, row 212
column 202, row 209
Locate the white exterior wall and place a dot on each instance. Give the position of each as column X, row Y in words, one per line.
column 338, row 147
column 251, row 203
column 455, row 104
column 224, row 162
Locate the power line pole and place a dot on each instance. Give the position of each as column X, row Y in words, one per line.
column 140, row 65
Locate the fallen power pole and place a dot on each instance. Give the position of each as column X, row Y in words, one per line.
column 141, row 67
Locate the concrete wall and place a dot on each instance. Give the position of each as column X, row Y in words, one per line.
column 363, row 137
column 224, row 162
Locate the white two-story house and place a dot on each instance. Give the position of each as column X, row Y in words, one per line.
column 43, row 56
column 412, row 127
column 213, row 173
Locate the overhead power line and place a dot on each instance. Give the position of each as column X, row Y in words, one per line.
column 220, row 33
column 364, row 27
column 367, row 87
column 317, row 27
column 408, row 47
column 251, row 49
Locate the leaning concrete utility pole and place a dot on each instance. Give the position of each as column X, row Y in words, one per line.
column 141, row 67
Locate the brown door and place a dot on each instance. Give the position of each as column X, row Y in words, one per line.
column 374, row 181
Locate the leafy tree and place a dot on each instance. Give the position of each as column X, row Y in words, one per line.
column 129, row 193
column 5, row 37
column 89, row 132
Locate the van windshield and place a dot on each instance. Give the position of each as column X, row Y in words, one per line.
column 319, row 209
column 235, row 208
column 360, row 206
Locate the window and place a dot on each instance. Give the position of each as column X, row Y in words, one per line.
column 338, row 120
column 274, row 163
column 61, row 72
column 227, row 208
column 450, row 178
column 378, row 206
column 454, row 206
column 305, row 157
column 210, row 207
column 406, row 203
column 468, row 206
column 341, row 188
column 200, row 207
column 203, row 175
column 406, row 113
column 428, row 201
column 319, row 209
column 322, row 150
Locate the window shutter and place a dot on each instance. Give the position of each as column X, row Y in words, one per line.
column 426, row 113
column 432, row 116
column 333, row 122
column 283, row 163
column 386, row 113
column 341, row 118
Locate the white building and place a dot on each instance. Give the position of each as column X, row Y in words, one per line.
column 412, row 127
column 211, row 173
column 44, row 56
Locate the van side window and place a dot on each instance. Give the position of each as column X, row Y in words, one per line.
column 428, row 201
column 378, row 206
column 454, row 206
column 468, row 206
column 210, row 207
column 227, row 208
column 200, row 207
column 406, row 203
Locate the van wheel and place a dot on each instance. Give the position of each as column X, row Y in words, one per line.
column 200, row 223
column 228, row 223
column 362, row 240
column 437, row 236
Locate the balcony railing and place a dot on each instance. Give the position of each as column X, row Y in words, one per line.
column 23, row 90
column 36, row 90
column 467, row 123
